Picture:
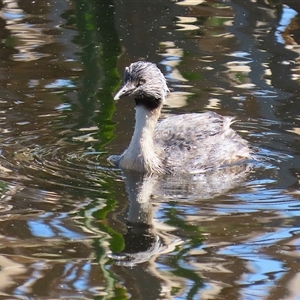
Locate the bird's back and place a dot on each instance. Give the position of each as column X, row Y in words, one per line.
column 199, row 142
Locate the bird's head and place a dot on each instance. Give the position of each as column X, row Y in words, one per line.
column 145, row 82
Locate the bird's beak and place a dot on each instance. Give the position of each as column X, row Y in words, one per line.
column 125, row 90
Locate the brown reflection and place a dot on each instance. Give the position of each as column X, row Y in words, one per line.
column 45, row 250
column 275, row 56
column 32, row 37
column 141, row 33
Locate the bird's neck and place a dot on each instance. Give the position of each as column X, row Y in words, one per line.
column 141, row 154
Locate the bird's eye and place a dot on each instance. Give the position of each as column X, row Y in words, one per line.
column 141, row 82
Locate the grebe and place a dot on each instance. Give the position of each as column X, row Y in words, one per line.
column 189, row 143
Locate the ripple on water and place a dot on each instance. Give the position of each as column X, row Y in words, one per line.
column 62, row 165
column 75, row 167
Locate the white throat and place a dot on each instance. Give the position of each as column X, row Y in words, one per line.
column 141, row 153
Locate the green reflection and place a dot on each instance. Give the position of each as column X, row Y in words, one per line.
column 100, row 50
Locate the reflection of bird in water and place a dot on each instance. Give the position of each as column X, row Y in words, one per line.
column 188, row 143
column 146, row 239
column 143, row 239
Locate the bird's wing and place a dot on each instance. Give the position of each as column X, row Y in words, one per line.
column 189, row 130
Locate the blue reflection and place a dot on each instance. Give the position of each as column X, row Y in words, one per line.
column 81, row 283
column 286, row 17
column 39, row 229
column 59, row 83
column 53, row 229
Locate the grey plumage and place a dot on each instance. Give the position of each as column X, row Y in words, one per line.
column 189, row 143
column 143, row 80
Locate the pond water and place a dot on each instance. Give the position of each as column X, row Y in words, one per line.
column 73, row 227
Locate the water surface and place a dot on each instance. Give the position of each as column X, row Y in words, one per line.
column 72, row 226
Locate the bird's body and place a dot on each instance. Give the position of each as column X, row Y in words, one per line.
column 188, row 143
column 200, row 142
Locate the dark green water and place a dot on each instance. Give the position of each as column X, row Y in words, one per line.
column 71, row 226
